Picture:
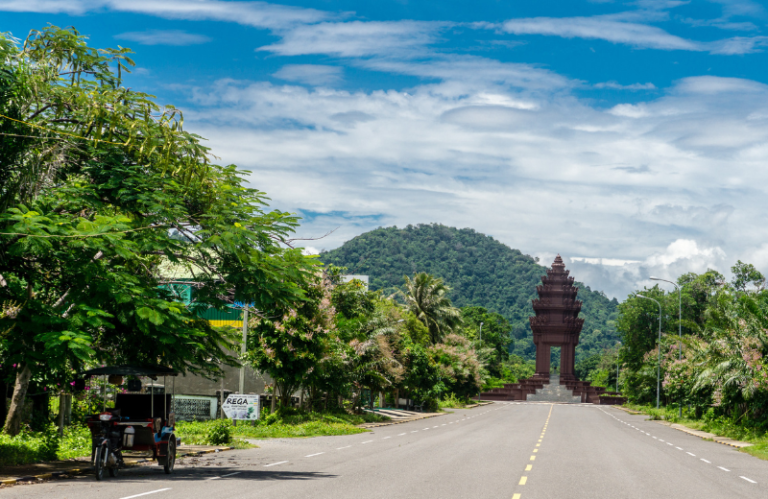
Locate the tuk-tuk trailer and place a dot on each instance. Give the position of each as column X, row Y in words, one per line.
column 139, row 421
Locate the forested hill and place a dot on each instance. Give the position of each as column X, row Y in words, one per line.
column 481, row 271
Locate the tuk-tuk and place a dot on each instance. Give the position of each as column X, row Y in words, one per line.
column 138, row 422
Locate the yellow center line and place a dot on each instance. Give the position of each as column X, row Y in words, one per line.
column 529, row 467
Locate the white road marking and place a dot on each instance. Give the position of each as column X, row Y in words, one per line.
column 347, row 447
column 678, row 448
column 386, row 438
column 268, row 465
column 705, row 461
column 400, row 435
column 415, row 431
column 367, row 442
column 691, row 454
column 747, row 479
column 670, row 443
column 155, row 492
column 724, row 469
column 318, row 453
column 235, row 473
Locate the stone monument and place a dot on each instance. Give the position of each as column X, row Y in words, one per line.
column 557, row 322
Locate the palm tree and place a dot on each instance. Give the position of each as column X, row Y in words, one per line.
column 426, row 297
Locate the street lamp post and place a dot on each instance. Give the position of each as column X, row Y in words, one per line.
column 617, row 367
column 479, row 391
column 658, row 366
column 679, row 326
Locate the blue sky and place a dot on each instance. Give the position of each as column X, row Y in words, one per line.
column 628, row 136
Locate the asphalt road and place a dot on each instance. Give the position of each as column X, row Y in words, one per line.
column 505, row 451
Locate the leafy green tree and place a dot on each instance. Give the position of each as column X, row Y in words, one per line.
column 293, row 343
column 426, row 297
column 745, row 274
column 496, row 334
column 97, row 177
column 460, row 368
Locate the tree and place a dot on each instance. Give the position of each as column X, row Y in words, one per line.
column 460, row 368
column 293, row 343
column 745, row 274
column 496, row 334
column 96, row 178
column 426, row 297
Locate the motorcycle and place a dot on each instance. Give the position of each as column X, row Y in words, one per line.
column 106, row 443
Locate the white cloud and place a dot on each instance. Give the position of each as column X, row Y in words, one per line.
column 617, row 28
column 257, row 14
column 163, row 37
column 719, row 85
column 601, row 28
column 620, row 277
column 533, row 166
column 356, row 38
column 617, row 86
column 310, row 74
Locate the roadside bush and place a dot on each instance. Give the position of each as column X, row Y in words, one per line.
column 76, row 442
column 452, row 402
column 219, row 432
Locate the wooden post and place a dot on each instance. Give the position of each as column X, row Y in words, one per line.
column 61, row 414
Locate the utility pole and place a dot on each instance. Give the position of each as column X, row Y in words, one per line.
column 242, row 349
column 679, row 326
column 658, row 367
column 480, row 390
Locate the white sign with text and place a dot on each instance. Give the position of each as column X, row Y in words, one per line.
column 242, row 407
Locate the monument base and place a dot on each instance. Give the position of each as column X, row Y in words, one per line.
column 564, row 391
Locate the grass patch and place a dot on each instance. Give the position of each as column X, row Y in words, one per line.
column 759, row 450
column 33, row 447
column 283, row 424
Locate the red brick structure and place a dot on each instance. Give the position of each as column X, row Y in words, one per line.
column 556, row 324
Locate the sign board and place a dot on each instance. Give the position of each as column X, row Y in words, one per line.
column 242, row 407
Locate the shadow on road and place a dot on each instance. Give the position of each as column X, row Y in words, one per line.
column 146, row 473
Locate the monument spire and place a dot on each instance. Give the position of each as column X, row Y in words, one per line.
column 557, row 321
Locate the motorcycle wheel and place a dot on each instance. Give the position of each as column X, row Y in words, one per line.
column 170, row 459
column 114, row 470
column 102, row 453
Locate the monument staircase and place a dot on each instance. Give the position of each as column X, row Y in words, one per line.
column 553, row 390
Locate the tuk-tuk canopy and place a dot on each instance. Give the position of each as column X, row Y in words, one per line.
column 151, row 371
